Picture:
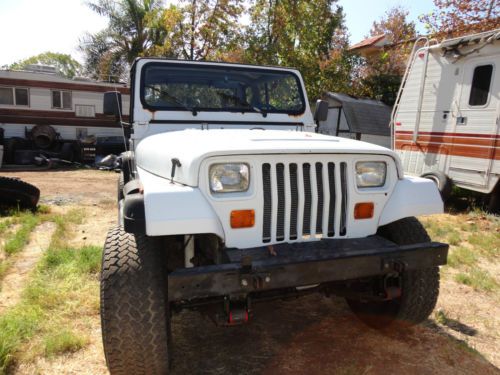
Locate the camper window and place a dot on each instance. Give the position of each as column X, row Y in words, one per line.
column 61, row 99
column 481, row 81
column 14, row 96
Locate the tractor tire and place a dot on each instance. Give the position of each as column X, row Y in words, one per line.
column 420, row 288
column 18, row 194
column 135, row 316
column 443, row 183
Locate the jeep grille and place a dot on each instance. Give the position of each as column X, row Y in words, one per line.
column 301, row 200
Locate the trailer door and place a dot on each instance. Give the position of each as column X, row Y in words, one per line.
column 473, row 141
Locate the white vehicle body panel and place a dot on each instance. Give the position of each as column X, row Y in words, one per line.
column 176, row 209
column 191, row 147
column 458, row 139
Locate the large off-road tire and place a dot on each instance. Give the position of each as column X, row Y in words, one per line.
column 135, row 315
column 420, row 288
column 17, row 193
column 443, row 183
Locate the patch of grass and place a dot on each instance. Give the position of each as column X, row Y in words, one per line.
column 477, row 279
column 16, row 325
column 63, row 284
column 460, row 256
column 454, row 238
column 5, row 225
column 487, row 243
column 441, row 317
column 63, row 342
column 20, row 238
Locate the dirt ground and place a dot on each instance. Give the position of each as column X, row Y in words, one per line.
column 311, row 335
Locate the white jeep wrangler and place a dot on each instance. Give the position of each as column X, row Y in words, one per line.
column 228, row 197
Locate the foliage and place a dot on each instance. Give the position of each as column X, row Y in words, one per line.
column 459, row 17
column 193, row 30
column 308, row 35
column 209, row 28
column 65, row 64
column 109, row 52
column 381, row 72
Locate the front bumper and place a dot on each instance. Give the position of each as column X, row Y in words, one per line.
column 301, row 264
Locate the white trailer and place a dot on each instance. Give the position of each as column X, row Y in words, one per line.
column 61, row 108
column 445, row 123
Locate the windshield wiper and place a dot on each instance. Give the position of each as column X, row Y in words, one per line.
column 194, row 110
column 242, row 102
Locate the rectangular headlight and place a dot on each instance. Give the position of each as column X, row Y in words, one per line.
column 228, row 178
column 370, row 173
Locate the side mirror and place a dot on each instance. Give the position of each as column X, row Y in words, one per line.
column 112, row 104
column 321, row 111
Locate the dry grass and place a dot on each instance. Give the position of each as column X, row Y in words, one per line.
column 474, row 240
column 62, row 286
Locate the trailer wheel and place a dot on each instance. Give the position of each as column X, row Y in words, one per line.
column 494, row 200
column 17, row 193
column 135, row 315
column 419, row 288
column 443, row 183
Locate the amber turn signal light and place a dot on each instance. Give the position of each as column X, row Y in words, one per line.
column 363, row 210
column 242, row 219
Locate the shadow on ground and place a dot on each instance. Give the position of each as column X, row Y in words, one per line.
column 315, row 335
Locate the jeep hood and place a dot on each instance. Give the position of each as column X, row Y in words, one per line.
column 155, row 153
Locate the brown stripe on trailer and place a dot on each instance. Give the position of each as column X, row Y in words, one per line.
column 68, row 118
column 73, row 86
column 450, row 140
column 471, row 151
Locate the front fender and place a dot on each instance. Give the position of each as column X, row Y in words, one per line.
column 173, row 209
column 412, row 196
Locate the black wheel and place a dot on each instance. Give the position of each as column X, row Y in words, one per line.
column 120, row 185
column 419, row 288
column 68, row 152
column 11, row 145
column 494, row 200
column 17, row 193
column 443, row 183
column 135, row 315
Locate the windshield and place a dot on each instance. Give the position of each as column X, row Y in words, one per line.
column 189, row 87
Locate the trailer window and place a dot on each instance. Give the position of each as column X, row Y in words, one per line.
column 480, row 88
column 14, row 96
column 6, row 96
column 61, row 99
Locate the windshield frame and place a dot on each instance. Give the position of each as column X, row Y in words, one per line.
column 222, row 66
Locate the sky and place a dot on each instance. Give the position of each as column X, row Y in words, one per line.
column 30, row 27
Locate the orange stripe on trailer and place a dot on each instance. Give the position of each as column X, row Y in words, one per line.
column 490, row 142
column 492, row 153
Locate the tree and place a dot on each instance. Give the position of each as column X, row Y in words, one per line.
column 109, row 52
column 210, row 28
column 381, row 72
column 65, row 64
column 298, row 33
column 453, row 18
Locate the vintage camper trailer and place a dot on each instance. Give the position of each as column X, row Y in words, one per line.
column 445, row 123
column 41, row 110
